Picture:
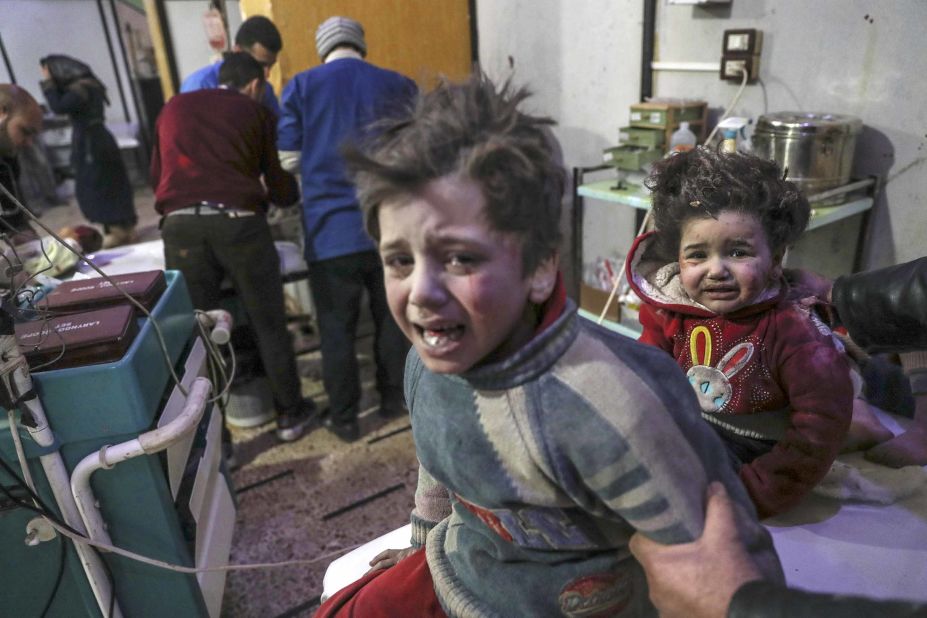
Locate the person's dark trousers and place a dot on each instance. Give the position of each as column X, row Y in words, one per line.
column 337, row 286
column 206, row 248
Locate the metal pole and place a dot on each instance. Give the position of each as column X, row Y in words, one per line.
column 112, row 57
column 647, row 47
column 6, row 61
column 139, row 112
column 853, row 186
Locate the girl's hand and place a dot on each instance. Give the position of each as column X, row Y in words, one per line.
column 390, row 557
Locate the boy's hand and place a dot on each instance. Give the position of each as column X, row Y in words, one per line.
column 390, row 557
column 698, row 579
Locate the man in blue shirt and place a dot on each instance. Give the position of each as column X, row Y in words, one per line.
column 259, row 37
column 323, row 108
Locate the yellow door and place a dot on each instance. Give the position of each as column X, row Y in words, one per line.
column 423, row 39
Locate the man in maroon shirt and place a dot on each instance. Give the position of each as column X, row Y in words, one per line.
column 212, row 148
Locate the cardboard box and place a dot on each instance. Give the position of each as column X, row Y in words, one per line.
column 593, row 299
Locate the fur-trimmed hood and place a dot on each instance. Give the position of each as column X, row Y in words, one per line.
column 657, row 282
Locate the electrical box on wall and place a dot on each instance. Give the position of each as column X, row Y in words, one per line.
column 746, row 41
column 740, row 52
column 733, row 68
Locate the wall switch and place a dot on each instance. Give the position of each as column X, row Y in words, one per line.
column 747, row 41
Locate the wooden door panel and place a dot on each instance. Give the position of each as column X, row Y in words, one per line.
column 423, row 39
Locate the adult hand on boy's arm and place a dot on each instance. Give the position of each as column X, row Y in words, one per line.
column 390, row 557
column 698, row 579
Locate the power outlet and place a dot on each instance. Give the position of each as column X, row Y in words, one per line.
column 740, row 51
column 733, row 66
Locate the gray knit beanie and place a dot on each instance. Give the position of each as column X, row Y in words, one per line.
column 336, row 31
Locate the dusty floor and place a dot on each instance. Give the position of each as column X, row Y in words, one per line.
column 292, row 498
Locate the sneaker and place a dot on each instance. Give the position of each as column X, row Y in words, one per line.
column 291, row 427
column 393, row 406
column 346, row 432
column 118, row 235
column 393, row 410
column 250, row 403
column 230, row 460
column 228, row 451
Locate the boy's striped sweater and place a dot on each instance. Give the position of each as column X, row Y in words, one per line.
column 535, row 472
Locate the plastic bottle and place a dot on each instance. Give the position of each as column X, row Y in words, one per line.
column 682, row 139
column 729, row 144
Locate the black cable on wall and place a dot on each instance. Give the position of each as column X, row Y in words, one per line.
column 6, row 61
column 647, row 47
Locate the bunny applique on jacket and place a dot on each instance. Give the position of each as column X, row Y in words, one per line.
column 767, row 375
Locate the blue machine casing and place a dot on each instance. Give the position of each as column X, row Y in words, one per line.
column 89, row 407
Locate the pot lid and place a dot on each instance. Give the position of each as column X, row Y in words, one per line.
column 808, row 123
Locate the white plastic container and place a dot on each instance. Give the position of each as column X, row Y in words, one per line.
column 682, row 139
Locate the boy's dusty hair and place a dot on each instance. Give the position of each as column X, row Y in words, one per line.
column 701, row 183
column 474, row 130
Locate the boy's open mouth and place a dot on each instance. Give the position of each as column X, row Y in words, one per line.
column 435, row 337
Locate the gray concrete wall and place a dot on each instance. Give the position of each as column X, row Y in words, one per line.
column 32, row 29
column 191, row 47
column 582, row 61
column 849, row 56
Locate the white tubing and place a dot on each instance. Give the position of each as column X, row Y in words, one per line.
column 57, row 475
column 99, row 581
column 220, row 321
column 108, row 456
column 162, row 437
column 147, row 443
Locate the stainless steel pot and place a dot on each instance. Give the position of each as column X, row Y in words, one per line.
column 816, row 149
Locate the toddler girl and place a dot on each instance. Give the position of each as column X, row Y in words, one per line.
column 767, row 373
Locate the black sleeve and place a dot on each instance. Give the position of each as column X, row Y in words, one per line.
column 65, row 101
column 885, row 310
column 762, row 599
column 11, row 218
column 282, row 188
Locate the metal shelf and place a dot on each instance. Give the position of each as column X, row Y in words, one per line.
column 634, row 196
column 619, row 328
column 638, row 197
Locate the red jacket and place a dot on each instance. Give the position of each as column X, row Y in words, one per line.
column 218, row 145
column 769, row 371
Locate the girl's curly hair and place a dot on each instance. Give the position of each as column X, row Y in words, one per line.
column 701, row 183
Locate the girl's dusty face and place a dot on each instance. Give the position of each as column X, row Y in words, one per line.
column 456, row 286
column 726, row 263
